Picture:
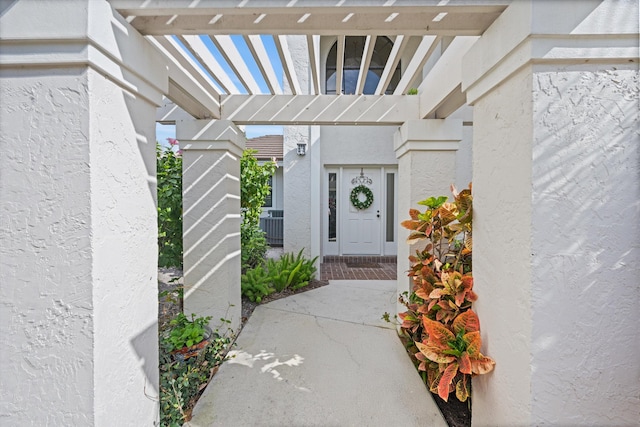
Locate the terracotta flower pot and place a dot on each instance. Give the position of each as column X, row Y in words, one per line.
column 185, row 353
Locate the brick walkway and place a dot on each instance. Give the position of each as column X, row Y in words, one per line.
column 358, row 268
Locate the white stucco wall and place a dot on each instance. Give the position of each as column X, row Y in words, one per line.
column 78, row 248
column 502, row 251
column 426, row 152
column 47, row 324
column 301, row 187
column 211, row 220
column 563, row 204
column 556, row 219
column 358, row 145
column 298, row 192
column 585, row 246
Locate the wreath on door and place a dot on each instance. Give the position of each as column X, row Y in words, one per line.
column 355, row 197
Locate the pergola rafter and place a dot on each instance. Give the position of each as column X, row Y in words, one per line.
column 170, row 23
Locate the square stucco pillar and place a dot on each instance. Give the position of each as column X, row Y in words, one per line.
column 426, row 152
column 211, row 153
column 78, row 236
column 556, row 182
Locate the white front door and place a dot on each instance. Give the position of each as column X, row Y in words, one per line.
column 361, row 228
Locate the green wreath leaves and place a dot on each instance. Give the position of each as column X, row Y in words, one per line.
column 355, row 197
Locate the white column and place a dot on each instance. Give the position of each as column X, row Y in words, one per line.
column 302, row 174
column 211, row 153
column 426, row 152
column 78, row 235
column 556, row 187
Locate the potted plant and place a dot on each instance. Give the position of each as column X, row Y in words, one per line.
column 187, row 338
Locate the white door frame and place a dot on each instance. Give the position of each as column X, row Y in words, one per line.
column 336, row 247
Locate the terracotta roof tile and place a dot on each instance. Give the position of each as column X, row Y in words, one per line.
column 268, row 146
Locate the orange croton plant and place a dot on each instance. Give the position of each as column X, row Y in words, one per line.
column 454, row 351
column 442, row 331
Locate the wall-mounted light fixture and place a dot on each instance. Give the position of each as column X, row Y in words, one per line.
column 302, row 149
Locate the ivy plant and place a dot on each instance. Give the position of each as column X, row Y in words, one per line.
column 182, row 381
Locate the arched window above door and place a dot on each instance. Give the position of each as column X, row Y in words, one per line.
column 353, row 52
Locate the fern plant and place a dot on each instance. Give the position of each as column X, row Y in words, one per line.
column 288, row 272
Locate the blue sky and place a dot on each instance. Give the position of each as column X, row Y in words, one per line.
column 168, row 131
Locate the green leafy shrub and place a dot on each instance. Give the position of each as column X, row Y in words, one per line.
column 182, row 380
column 169, row 172
column 253, row 245
column 254, row 188
column 289, row 272
column 255, row 284
column 185, row 332
column 441, row 331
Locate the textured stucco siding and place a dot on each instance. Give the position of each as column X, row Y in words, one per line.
column 211, row 203
column 298, row 192
column 46, row 304
column 358, row 145
column 464, row 159
column 557, row 221
column 124, row 253
column 78, row 250
column 502, row 254
column 586, row 246
column 301, row 190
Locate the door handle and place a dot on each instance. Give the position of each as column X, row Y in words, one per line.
column 378, row 214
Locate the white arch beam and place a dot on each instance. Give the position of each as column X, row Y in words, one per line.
column 444, row 80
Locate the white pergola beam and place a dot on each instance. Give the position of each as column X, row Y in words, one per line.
column 422, row 54
column 169, row 112
column 287, row 63
column 340, row 64
column 185, row 91
column 392, row 62
column 206, row 58
column 171, row 47
column 313, row 46
column 444, row 78
column 319, row 109
column 367, row 53
column 259, row 52
column 230, row 52
column 175, row 7
column 324, row 17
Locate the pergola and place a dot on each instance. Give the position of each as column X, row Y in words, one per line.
column 458, row 23
column 554, row 91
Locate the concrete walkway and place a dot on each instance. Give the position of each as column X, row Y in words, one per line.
column 320, row 358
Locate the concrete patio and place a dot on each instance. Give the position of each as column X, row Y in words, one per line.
column 320, row 358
